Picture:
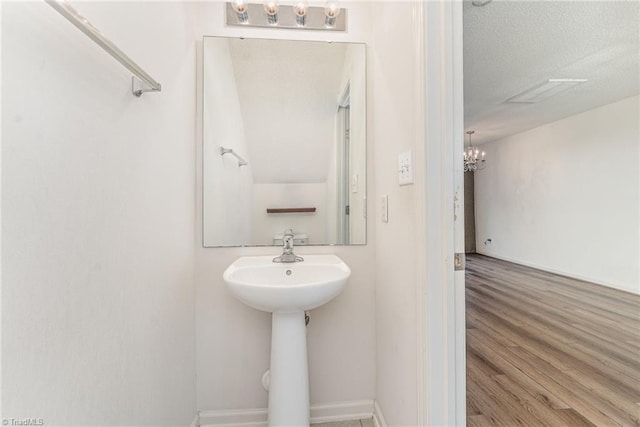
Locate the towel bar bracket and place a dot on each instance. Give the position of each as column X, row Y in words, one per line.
column 138, row 90
column 241, row 161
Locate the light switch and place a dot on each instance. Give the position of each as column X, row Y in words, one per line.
column 354, row 183
column 384, row 208
column 405, row 168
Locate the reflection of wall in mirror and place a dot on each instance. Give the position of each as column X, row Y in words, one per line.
column 308, row 195
column 228, row 223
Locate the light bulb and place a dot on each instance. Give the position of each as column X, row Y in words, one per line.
column 331, row 11
column 300, row 9
column 241, row 7
column 271, row 7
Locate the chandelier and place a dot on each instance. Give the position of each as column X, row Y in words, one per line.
column 473, row 158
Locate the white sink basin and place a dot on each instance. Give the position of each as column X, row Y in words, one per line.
column 265, row 285
column 287, row 290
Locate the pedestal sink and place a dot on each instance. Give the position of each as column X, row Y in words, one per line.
column 287, row 290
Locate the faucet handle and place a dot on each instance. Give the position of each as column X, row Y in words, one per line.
column 287, row 241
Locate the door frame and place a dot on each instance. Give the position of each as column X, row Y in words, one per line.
column 343, row 153
column 441, row 318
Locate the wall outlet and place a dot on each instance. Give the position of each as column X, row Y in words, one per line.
column 384, row 208
column 354, row 183
column 405, row 168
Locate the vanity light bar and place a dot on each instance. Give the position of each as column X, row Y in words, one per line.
column 316, row 18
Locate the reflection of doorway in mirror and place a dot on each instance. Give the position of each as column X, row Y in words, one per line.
column 343, row 169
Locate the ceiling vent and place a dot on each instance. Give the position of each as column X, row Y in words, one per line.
column 544, row 91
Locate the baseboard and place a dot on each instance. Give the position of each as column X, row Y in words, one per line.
column 560, row 272
column 378, row 418
column 342, row 411
column 327, row 412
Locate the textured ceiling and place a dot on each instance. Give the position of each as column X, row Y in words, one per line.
column 513, row 45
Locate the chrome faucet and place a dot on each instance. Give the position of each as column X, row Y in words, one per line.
column 287, row 249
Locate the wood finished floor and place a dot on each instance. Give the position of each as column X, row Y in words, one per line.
column 547, row 350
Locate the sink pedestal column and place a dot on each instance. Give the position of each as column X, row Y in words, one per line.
column 289, row 388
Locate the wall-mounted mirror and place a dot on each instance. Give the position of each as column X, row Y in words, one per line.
column 284, row 142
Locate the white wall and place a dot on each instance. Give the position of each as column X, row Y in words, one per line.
column 233, row 340
column 230, row 222
column 393, row 104
column 97, row 218
column 564, row 197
